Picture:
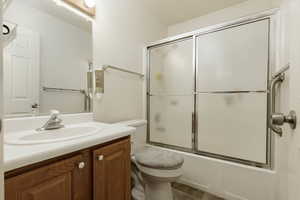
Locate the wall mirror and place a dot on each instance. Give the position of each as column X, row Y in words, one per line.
column 46, row 63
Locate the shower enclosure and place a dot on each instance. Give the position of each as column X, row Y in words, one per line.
column 208, row 91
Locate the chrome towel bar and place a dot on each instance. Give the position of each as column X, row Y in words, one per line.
column 62, row 89
column 87, row 97
column 105, row 67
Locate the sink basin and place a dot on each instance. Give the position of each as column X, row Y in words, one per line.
column 50, row 136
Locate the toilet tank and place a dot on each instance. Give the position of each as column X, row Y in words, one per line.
column 139, row 137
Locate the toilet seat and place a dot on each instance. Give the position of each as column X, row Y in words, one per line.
column 159, row 159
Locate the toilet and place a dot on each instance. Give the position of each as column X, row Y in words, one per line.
column 157, row 168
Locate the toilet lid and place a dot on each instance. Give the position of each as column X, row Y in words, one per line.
column 159, row 159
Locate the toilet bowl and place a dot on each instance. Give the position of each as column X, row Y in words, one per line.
column 156, row 168
column 159, row 168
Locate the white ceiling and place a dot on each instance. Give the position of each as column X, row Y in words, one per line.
column 176, row 11
column 51, row 8
column 167, row 11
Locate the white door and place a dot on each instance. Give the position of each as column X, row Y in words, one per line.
column 21, row 69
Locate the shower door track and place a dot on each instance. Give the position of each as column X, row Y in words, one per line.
column 270, row 15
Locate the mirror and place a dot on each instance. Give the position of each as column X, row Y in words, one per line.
column 46, row 64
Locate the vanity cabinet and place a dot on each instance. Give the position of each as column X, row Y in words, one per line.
column 97, row 173
column 112, row 172
column 63, row 180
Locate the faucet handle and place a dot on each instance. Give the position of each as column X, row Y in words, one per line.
column 54, row 113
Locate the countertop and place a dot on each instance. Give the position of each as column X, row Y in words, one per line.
column 16, row 156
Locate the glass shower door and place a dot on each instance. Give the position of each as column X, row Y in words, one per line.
column 171, row 94
column 208, row 93
column 232, row 92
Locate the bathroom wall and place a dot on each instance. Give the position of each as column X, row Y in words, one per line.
column 226, row 14
column 65, row 50
column 226, row 179
column 121, row 30
column 119, row 38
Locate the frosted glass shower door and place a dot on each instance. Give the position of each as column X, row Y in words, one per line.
column 234, row 59
column 171, row 94
column 232, row 92
column 171, row 120
column 233, row 125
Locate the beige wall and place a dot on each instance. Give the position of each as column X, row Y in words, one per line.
column 121, row 30
column 226, row 14
column 119, row 38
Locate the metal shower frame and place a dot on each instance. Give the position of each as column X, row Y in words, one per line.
column 271, row 16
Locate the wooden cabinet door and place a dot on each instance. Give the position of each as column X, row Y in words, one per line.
column 112, row 171
column 63, row 180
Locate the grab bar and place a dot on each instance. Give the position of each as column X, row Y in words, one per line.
column 277, row 80
column 281, row 71
column 123, row 70
column 278, row 119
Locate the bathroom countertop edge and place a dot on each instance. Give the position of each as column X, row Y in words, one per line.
column 17, row 156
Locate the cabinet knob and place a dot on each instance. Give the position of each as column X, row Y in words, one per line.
column 81, row 165
column 100, row 157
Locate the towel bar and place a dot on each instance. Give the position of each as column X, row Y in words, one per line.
column 123, row 70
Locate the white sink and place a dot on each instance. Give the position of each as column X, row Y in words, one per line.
column 50, row 136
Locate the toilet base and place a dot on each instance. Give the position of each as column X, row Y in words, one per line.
column 155, row 190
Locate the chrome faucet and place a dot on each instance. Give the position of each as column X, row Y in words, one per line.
column 53, row 123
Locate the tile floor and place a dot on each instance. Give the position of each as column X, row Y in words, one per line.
column 184, row 192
